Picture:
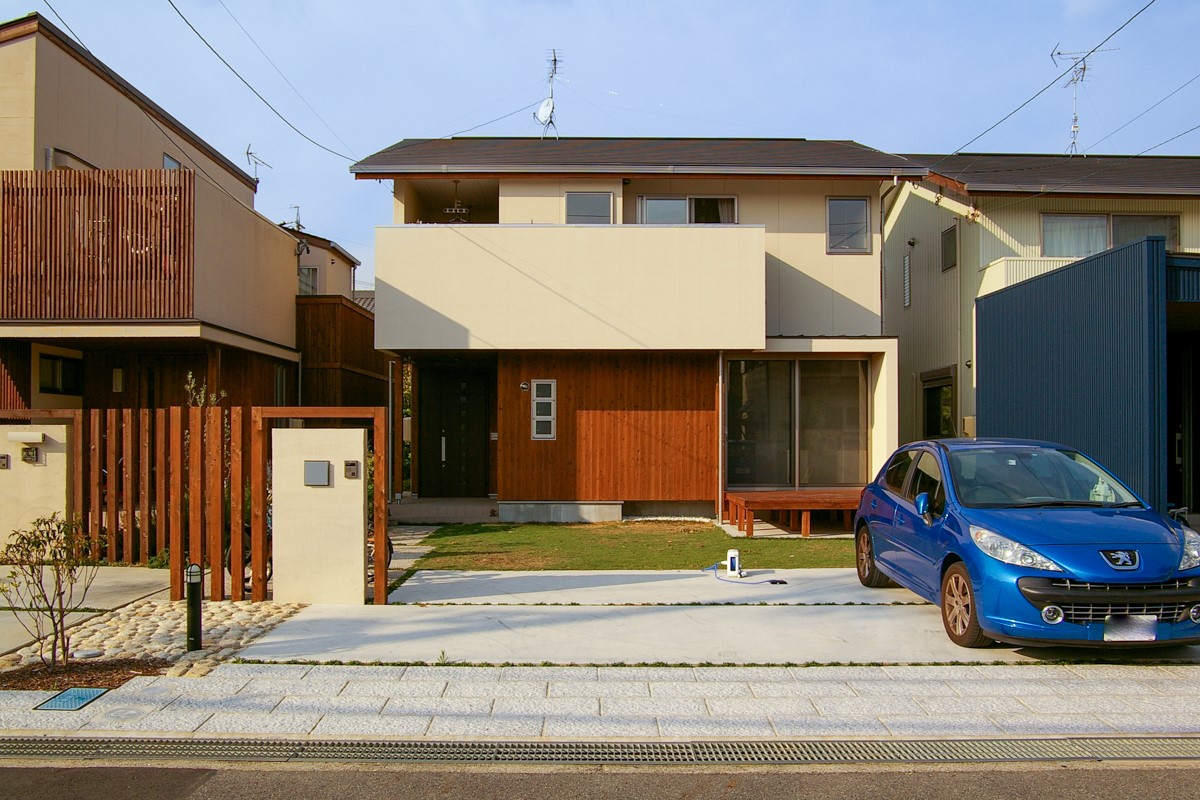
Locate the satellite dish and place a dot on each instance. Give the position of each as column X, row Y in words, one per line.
column 545, row 113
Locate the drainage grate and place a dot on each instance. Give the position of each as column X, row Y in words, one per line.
column 927, row 751
column 70, row 700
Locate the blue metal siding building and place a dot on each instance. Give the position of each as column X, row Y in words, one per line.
column 1098, row 355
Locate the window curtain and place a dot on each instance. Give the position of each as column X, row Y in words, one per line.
column 725, row 210
column 1066, row 236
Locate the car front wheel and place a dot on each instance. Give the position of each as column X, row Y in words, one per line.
column 959, row 614
column 864, row 559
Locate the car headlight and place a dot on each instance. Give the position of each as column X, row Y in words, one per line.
column 1191, row 550
column 1008, row 551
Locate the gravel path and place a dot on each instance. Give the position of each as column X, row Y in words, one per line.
column 157, row 628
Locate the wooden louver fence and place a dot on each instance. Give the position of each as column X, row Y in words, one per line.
column 97, row 244
column 190, row 484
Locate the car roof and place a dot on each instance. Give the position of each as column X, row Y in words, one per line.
column 990, row 443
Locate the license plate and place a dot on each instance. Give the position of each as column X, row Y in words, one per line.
column 1130, row 628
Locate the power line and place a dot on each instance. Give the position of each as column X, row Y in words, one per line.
column 285, row 79
column 64, row 23
column 1151, row 108
column 1049, row 85
column 251, row 88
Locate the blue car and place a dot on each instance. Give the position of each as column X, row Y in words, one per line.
column 1029, row 543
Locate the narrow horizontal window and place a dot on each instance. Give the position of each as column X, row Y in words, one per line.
column 589, row 208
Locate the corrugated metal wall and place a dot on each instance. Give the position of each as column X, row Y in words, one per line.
column 1078, row 356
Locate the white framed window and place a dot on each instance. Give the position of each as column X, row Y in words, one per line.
column 848, row 225
column 1082, row 235
column 308, row 280
column 589, row 208
column 543, row 409
column 689, row 210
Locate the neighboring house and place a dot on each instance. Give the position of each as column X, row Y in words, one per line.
column 324, row 267
column 601, row 327
column 1102, row 354
column 130, row 253
column 982, row 222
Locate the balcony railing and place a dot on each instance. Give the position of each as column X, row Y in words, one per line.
column 640, row 287
column 1004, row 272
column 97, row 245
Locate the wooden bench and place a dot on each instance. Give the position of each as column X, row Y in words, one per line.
column 739, row 507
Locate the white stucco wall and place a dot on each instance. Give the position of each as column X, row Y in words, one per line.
column 29, row 491
column 319, row 532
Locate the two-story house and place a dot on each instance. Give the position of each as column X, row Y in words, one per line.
column 607, row 327
column 130, row 251
column 982, row 224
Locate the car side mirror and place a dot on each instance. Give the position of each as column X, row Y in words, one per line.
column 921, row 501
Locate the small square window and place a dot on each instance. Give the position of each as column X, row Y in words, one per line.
column 544, row 409
column 849, row 226
column 60, row 375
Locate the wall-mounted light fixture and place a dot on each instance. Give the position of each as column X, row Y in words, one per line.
column 524, row 386
column 26, row 437
column 118, row 380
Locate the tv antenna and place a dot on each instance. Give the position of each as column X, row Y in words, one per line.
column 295, row 223
column 254, row 162
column 545, row 113
column 1079, row 71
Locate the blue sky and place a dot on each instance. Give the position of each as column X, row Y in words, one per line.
column 899, row 75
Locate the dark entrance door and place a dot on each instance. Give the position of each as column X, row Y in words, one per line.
column 453, row 433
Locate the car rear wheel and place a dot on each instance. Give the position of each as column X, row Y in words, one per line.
column 864, row 559
column 959, row 614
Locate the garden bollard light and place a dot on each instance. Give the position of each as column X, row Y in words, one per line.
column 195, row 636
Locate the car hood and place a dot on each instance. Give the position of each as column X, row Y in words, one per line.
column 1106, row 527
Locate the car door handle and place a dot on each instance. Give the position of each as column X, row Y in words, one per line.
column 874, row 503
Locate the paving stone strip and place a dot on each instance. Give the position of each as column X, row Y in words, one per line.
column 157, row 628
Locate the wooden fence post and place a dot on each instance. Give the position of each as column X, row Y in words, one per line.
column 237, row 550
column 258, row 502
column 214, row 491
column 176, row 505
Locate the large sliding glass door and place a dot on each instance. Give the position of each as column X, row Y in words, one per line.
column 796, row 422
column 759, row 419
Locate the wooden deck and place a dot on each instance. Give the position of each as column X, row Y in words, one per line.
column 796, row 504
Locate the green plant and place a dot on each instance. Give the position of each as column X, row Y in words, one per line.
column 50, row 571
column 160, row 560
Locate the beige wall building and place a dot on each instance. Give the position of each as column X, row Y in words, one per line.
column 135, row 294
column 984, row 222
column 720, row 300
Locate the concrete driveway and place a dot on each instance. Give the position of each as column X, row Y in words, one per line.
column 641, row 617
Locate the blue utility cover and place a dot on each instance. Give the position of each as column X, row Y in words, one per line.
column 70, row 700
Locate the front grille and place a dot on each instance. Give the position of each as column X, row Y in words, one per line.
column 1087, row 586
column 1087, row 601
column 1089, row 612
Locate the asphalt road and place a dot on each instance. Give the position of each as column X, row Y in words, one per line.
column 341, row 781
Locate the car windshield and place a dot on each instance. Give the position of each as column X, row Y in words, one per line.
column 1016, row 477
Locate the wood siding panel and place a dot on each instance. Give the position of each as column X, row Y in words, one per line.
column 16, row 371
column 630, row 426
column 341, row 365
column 97, row 244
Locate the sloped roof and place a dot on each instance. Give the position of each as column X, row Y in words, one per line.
column 365, row 298
column 1074, row 174
column 635, row 156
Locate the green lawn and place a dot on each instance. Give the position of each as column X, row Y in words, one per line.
column 627, row 545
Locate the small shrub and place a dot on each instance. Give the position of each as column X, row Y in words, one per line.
column 50, row 571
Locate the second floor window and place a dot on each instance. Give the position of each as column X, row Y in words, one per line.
column 1082, row 235
column 848, row 225
column 308, row 280
column 687, row 210
column 589, row 208
column 170, row 163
